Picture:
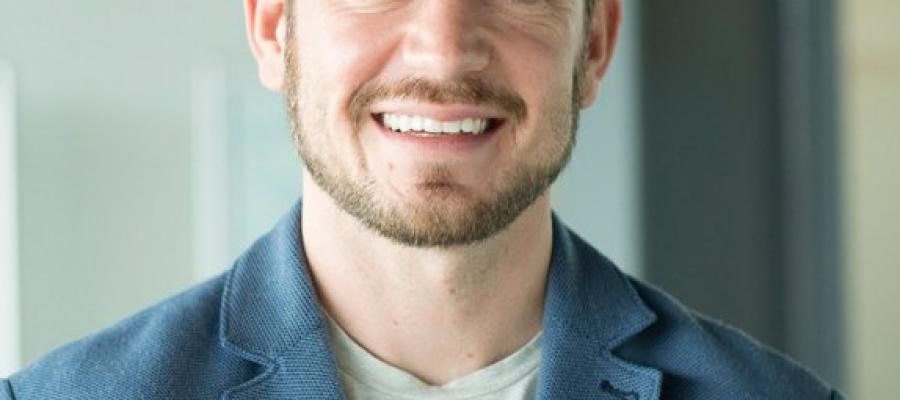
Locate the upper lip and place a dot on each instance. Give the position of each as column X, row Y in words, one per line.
column 438, row 112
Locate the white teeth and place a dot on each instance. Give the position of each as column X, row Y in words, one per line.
column 414, row 124
column 452, row 127
column 431, row 126
column 467, row 125
column 404, row 123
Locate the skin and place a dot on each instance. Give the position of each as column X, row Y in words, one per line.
column 438, row 310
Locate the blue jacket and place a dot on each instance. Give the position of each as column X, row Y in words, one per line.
column 257, row 333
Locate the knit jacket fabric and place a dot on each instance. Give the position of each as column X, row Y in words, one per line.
column 258, row 332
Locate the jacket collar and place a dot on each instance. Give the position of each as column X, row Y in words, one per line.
column 590, row 309
column 270, row 315
column 269, row 302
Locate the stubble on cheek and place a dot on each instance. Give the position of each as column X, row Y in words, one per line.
column 307, row 117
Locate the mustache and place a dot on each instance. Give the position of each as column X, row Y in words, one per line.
column 472, row 91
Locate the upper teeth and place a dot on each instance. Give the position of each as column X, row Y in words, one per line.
column 415, row 123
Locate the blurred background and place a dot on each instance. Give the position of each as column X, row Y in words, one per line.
column 743, row 156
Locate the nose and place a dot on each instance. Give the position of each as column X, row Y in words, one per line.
column 446, row 39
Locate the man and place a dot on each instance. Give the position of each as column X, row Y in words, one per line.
column 424, row 261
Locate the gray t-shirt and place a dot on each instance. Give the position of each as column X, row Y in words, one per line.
column 365, row 377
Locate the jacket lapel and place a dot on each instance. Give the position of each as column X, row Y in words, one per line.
column 305, row 371
column 270, row 315
column 590, row 309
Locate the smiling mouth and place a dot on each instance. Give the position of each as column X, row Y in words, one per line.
column 419, row 126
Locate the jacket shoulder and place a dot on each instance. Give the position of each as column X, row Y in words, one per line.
column 5, row 390
column 703, row 358
column 169, row 350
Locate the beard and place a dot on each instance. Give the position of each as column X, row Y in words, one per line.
column 446, row 214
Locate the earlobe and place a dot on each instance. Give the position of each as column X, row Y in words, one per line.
column 266, row 31
column 602, row 39
column 589, row 93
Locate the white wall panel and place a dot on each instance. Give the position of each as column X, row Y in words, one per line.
column 209, row 167
column 9, row 246
column 105, row 124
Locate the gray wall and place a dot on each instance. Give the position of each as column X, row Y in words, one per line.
column 710, row 161
column 740, row 168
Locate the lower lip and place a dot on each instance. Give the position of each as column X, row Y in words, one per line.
column 449, row 143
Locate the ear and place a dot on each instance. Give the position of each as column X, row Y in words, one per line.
column 266, row 32
column 604, row 32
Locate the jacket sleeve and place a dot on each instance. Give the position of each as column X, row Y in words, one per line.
column 835, row 395
column 6, row 390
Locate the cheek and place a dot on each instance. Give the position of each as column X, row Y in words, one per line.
column 547, row 86
column 348, row 51
column 547, row 130
column 335, row 60
column 538, row 66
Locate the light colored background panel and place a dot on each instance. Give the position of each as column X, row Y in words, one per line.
column 246, row 170
column 871, row 145
column 209, row 166
column 9, row 242
column 104, row 153
column 265, row 170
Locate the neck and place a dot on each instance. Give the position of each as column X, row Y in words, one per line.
column 437, row 313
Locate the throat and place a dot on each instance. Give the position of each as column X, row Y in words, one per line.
column 437, row 313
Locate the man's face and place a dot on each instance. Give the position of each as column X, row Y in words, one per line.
column 434, row 122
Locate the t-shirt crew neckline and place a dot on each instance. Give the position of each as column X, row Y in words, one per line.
column 364, row 368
